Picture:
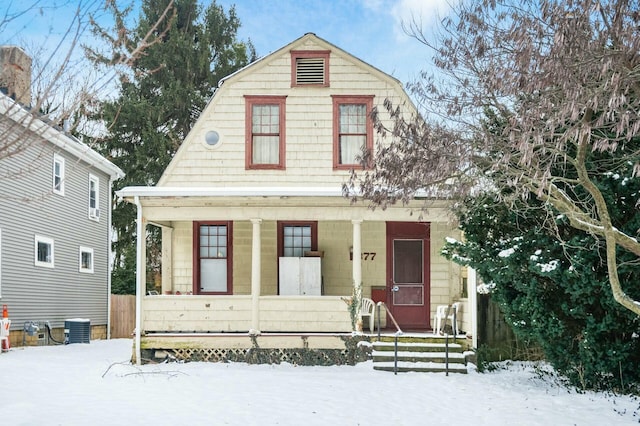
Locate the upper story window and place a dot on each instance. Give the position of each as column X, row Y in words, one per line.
column 352, row 130
column 58, row 174
column 310, row 68
column 265, row 132
column 94, row 197
column 43, row 251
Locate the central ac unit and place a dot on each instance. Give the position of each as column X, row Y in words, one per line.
column 77, row 330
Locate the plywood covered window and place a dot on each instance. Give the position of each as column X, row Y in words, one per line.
column 352, row 130
column 212, row 257
column 310, row 68
column 265, row 132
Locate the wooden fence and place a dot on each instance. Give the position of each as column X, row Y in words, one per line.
column 123, row 315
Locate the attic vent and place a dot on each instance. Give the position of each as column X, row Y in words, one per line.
column 310, row 71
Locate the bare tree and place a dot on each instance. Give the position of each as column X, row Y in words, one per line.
column 537, row 98
column 55, row 83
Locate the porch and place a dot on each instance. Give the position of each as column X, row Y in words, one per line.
column 245, row 229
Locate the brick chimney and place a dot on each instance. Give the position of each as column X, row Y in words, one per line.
column 15, row 74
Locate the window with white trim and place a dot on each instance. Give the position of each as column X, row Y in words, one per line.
column 94, row 197
column 43, row 251
column 58, row 174
column 86, row 260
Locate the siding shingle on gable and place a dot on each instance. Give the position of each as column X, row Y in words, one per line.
column 309, row 126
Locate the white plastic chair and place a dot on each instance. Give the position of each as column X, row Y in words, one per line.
column 367, row 307
column 440, row 319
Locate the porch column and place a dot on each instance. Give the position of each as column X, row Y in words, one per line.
column 357, row 258
column 167, row 259
column 472, row 293
column 141, row 261
column 255, row 277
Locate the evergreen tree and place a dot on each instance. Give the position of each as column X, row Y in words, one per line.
column 161, row 95
column 552, row 284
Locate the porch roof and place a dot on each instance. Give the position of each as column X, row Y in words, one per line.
column 130, row 192
column 270, row 202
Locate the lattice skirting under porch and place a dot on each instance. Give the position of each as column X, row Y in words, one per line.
column 297, row 356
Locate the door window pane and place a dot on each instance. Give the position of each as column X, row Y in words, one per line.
column 407, row 261
column 408, row 295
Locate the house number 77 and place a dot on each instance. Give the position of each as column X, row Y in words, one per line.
column 368, row 255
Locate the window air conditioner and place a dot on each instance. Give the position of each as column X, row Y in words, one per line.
column 94, row 213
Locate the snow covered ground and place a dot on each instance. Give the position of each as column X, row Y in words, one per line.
column 94, row 384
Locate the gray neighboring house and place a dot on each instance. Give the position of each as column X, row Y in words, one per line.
column 55, row 216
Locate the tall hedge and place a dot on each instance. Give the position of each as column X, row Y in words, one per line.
column 551, row 282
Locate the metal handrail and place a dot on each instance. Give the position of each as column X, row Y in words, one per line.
column 397, row 333
column 379, row 304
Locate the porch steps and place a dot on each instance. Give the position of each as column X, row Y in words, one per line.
column 420, row 354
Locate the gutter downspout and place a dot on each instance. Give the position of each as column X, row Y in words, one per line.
column 139, row 275
column 109, row 257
